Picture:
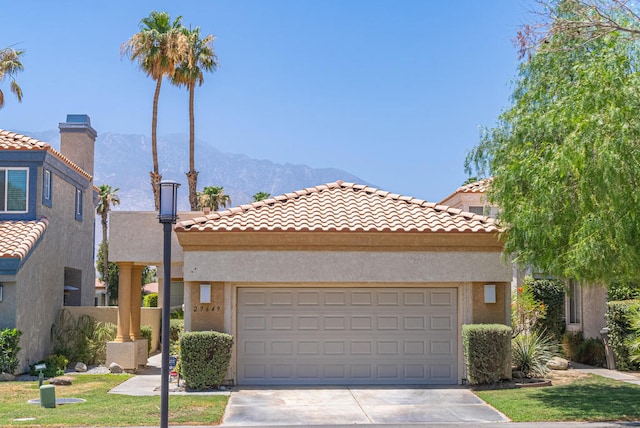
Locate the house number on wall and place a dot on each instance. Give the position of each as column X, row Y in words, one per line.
column 206, row 308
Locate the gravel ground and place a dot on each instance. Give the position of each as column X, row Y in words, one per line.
column 91, row 370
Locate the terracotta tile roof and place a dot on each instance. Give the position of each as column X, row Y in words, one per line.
column 480, row 186
column 12, row 141
column 17, row 238
column 341, row 206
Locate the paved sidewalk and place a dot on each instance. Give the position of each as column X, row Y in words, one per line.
column 611, row 374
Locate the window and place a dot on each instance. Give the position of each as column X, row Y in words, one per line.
column 575, row 309
column 476, row 210
column 46, row 187
column 78, row 204
column 13, row 190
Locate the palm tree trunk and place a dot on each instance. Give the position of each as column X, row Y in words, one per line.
column 192, row 175
column 155, row 174
column 105, row 255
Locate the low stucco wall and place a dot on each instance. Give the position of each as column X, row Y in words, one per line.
column 148, row 316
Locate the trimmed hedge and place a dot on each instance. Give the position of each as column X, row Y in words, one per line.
column 150, row 300
column 204, row 358
column 147, row 333
column 9, row 341
column 620, row 331
column 487, row 352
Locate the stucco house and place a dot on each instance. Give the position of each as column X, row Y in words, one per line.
column 334, row 284
column 585, row 305
column 47, row 206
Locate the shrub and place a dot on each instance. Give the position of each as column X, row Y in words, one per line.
column 55, row 366
column 204, row 358
column 620, row 332
column 551, row 294
column 579, row 350
column 177, row 314
column 9, row 341
column 150, row 300
column 487, row 351
column 147, row 333
column 532, row 350
column 176, row 328
column 102, row 333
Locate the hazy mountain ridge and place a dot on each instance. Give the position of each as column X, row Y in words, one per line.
column 124, row 161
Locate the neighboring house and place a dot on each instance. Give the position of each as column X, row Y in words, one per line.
column 101, row 293
column 47, row 210
column 585, row 306
column 334, row 284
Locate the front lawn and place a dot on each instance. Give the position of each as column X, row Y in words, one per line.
column 102, row 408
column 591, row 398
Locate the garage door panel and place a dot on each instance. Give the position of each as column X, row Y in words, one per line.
column 331, row 336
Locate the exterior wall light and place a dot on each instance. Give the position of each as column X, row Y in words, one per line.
column 490, row 293
column 1, row 286
column 205, row 293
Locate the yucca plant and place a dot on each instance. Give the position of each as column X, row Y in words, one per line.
column 532, row 350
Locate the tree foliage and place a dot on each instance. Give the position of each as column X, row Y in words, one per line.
column 10, row 65
column 112, row 278
column 214, row 198
column 565, row 156
column 261, row 196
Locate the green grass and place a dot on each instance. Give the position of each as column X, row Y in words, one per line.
column 590, row 399
column 101, row 408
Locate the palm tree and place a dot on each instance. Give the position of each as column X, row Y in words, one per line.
column 158, row 47
column 214, row 198
column 10, row 65
column 260, row 196
column 107, row 197
column 200, row 57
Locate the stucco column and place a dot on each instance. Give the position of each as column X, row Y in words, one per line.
column 136, row 297
column 124, row 302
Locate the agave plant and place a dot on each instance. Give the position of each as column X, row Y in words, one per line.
column 532, row 350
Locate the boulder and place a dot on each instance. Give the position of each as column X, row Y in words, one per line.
column 81, row 367
column 7, row 377
column 116, row 368
column 557, row 363
column 61, row 380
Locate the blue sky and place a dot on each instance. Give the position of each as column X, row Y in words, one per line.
column 393, row 91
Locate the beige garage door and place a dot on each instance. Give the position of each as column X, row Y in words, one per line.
column 346, row 336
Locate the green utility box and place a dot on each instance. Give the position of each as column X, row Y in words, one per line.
column 48, row 396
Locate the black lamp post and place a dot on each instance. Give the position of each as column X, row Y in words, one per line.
column 167, row 216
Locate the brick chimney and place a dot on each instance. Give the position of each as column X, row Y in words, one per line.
column 77, row 141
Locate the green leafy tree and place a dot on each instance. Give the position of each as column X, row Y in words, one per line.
column 149, row 274
column 112, row 275
column 214, row 198
column 158, row 47
column 260, row 196
column 565, row 156
column 107, row 198
column 10, row 65
column 200, row 57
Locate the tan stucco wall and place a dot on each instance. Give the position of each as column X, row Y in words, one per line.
column 491, row 313
column 40, row 281
column 204, row 316
column 593, row 302
column 335, row 266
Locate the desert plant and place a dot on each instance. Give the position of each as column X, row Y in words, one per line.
column 532, row 350
column 526, row 310
column 9, row 341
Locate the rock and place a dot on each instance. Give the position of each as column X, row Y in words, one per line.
column 81, row 367
column 61, row 380
column 517, row 374
column 116, row 368
column 6, row 377
column 557, row 363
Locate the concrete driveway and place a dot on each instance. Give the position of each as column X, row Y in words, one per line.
column 355, row 405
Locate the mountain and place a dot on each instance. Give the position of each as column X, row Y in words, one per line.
column 124, row 161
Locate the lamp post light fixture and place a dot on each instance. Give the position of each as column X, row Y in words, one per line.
column 167, row 216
